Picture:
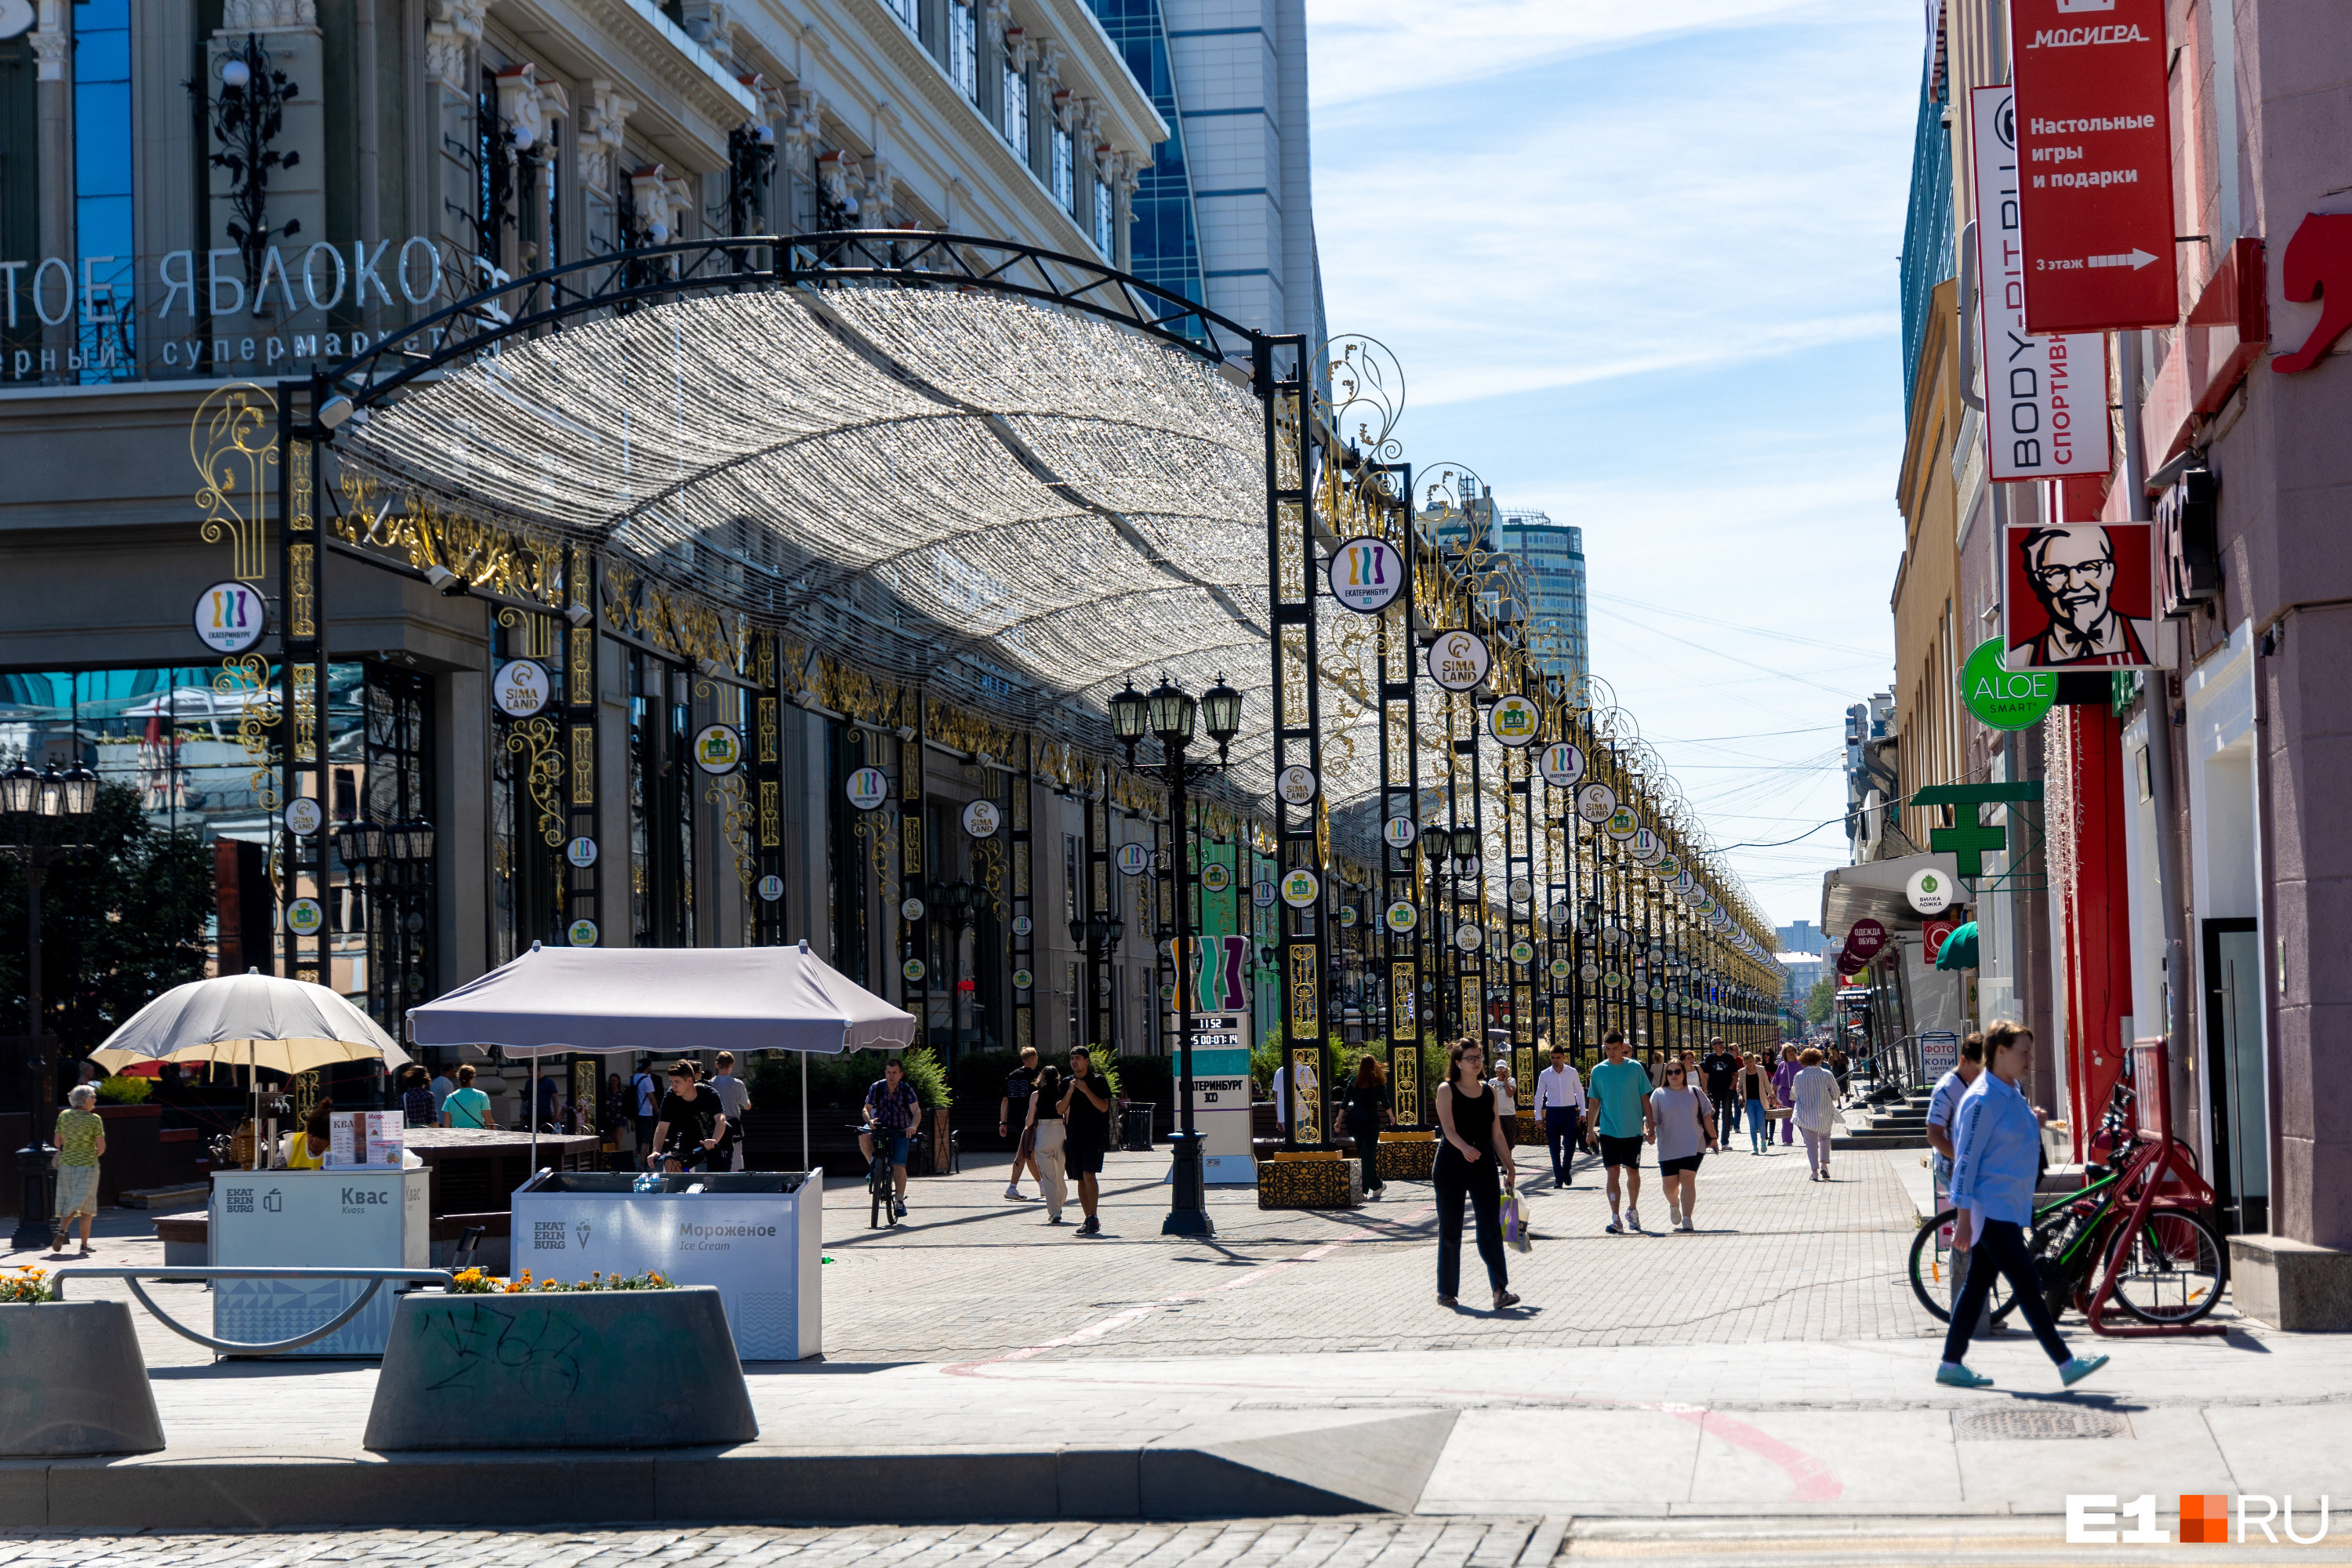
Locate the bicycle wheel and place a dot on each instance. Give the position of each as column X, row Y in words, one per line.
column 2174, row 1268
column 1931, row 1271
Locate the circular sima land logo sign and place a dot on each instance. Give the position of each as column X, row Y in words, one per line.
column 2003, row 699
column 1458, row 660
column 911, row 909
column 303, row 817
column 981, row 818
column 231, row 617
column 1560, row 763
column 1596, row 803
column 1514, row 721
column 523, row 688
column 866, row 789
column 1468, row 938
column 1366, row 575
column 1295, row 785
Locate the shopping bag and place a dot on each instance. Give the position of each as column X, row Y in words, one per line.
column 1515, row 1222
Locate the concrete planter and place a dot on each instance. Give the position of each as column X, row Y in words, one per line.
column 72, row 1381
column 603, row 1369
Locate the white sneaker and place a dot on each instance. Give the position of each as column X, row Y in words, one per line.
column 1012, row 1193
column 1614, row 1226
column 1674, row 1217
column 1632, row 1219
column 1685, row 1225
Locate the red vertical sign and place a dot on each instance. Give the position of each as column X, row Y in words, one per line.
column 2095, row 154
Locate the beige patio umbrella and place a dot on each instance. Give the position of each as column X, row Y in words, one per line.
column 252, row 1020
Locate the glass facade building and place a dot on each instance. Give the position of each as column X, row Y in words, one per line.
column 1164, row 243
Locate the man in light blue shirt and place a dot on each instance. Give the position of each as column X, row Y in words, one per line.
column 1996, row 1166
column 1620, row 1094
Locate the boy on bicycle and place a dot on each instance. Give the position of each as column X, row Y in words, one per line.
column 891, row 1108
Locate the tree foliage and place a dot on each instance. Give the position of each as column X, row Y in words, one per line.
column 1818, row 1002
column 121, row 922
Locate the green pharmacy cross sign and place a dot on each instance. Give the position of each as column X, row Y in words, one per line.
column 1968, row 839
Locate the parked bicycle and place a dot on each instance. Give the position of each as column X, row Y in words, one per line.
column 2173, row 1265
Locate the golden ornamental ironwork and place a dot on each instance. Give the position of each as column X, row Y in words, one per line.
column 583, row 765
column 534, row 739
column 735, row 823
column 233, row 441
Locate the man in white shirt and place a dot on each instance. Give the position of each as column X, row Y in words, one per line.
column 1560, row 1102
column 734, row 1099
column 1942, row 1106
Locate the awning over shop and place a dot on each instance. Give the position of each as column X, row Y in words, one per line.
column 664, row 1000
column 1873, row 891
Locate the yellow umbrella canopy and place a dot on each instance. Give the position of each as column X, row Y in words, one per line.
column 250, row 1020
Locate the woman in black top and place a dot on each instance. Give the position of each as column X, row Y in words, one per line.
column 1365, row 1109
column 1471, row 1150
column 1754, row 1086
column 1086, row 1107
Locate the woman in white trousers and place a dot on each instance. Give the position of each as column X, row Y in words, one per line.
column 1813, row 1093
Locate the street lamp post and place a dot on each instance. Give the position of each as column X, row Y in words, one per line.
column 1168, row 712
column 47, row 815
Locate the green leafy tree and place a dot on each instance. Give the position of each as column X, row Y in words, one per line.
column 1818, row 1003
column 121, row 922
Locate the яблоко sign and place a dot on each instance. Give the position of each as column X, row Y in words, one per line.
column 2095, row 164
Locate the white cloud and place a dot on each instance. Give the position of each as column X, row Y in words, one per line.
column 1371, row 48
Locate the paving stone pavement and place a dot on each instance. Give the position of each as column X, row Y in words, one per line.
column 1775, row 1258
column 1370, row 1543
column 971, row 1276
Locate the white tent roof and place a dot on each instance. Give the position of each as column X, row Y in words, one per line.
column 664, row 999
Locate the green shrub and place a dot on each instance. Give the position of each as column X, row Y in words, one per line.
column 841, row 1082
column 119, row 1090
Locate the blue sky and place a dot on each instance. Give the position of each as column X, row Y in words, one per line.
column 1638, row 262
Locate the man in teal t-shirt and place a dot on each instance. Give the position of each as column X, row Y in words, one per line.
column 1619, row 1088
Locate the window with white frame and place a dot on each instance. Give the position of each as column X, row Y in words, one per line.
column 1016, row 107
column 910, row 17
column 964, row 48
column 1065, row 172
column 1104, row 207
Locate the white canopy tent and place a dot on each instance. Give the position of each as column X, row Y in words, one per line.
column 594, row 999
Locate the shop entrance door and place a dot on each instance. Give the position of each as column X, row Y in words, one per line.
column 2233, row 1063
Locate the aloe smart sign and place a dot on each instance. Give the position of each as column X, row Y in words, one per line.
column 2004, row 699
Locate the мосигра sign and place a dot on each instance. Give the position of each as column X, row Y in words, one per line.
column 2094, row 153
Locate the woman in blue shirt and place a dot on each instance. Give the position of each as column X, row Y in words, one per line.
column 1996, row 1166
